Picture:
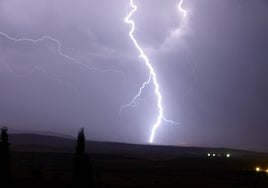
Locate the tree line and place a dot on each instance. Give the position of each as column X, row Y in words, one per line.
column 82, row 171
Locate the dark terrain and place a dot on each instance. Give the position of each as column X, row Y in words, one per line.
column 43, row 161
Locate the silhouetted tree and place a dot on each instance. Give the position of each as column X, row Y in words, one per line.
column 82, row 166
column 80, row 145
column 4, row 157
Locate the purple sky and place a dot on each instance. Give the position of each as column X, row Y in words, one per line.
column 213, row 77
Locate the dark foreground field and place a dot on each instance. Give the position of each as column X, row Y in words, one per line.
column 49, row 163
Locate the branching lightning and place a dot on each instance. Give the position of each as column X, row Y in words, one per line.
column 60, row 52
column 152, row 74
column 133, row 101
column 152, row 78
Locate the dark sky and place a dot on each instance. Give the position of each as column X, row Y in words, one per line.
column 212, row 74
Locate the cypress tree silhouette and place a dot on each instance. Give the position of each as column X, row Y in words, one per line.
column 4, row 157
column 80, row 146
column 82, row 167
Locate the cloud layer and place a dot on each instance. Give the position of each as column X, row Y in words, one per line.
column 212, row 75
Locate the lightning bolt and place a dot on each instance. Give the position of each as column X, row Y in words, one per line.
column 60, row 52
column 133, row 101
column 177, row 32
column 181, row 9
column 152, row 75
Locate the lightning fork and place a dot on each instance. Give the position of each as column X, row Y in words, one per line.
column 60, row 52
column 152, row 77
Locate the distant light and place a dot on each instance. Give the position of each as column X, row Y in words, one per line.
column 266, row 170
column 257, row 169
column 214, row 154
column 219, row 155
column 228, row 155
column 209, row 154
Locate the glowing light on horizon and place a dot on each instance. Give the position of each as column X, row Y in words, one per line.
column 259, row 169
column 152, row 75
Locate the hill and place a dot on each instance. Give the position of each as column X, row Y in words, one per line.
column 44, row 143
column 42, row 161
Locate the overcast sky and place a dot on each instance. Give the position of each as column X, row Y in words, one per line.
column 212, row 74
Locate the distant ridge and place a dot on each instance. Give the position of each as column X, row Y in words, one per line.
column 44, row 143
column 44, row 133
column 40, row 143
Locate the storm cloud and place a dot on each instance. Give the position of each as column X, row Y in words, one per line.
column 213, row 74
